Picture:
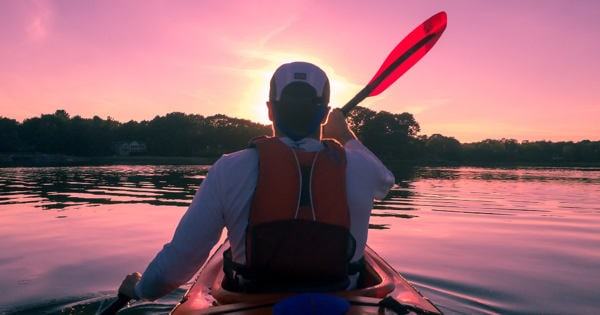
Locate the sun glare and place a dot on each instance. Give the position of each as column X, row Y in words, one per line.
column 255, row 97
column 257, row 92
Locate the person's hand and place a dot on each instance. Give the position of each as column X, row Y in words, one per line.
column 337, row 128
column 127, row 288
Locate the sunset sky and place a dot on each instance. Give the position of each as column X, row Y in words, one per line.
column 503, row 69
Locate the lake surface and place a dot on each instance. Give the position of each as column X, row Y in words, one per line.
column 473, row 240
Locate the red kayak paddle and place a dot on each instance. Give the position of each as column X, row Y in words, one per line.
column 406, row 54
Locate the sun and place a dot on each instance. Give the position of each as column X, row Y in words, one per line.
column 257, row 92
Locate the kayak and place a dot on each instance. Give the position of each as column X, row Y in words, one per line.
column 379, row 281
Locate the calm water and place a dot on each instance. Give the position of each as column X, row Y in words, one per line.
column 474, row 240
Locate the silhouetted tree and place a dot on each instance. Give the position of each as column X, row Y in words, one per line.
column 359, row 117
column 9, row 135
column 390, row 135
column 440, row 147
column 48, row 133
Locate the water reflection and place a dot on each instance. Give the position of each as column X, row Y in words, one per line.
column 474, row 240
column 535, row 174
column 60, row 188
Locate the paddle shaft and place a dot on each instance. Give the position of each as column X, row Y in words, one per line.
column 366, row 91
column 121, row 302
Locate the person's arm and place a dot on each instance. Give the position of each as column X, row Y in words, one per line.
column 198, row 231
column 376, row 173
column 337, row 128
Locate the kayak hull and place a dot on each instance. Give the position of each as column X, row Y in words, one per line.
column 380, row 280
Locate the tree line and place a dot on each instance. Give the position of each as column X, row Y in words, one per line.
column 175, row 134
column 389, row 135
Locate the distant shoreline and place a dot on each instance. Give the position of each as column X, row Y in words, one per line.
column 393, row 163
column 177, row 138
column 60, row 160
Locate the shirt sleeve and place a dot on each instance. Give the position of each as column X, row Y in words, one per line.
column 382, row 178
column 198, row 231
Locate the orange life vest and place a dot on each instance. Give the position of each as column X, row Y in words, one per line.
column 298, row 234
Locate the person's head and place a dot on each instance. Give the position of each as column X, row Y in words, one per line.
column 298, row 99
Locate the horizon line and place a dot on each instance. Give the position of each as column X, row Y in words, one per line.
column 108, row 117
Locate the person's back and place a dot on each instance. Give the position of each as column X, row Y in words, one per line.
column 289, row 198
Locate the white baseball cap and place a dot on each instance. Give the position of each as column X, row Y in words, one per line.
column 299, row 72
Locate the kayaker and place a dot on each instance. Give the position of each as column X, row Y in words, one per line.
column 296, row 205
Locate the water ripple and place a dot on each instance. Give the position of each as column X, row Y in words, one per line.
column 474, row 240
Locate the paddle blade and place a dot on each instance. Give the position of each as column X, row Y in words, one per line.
column 408, row 52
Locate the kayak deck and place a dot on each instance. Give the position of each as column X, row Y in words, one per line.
column 379, row 280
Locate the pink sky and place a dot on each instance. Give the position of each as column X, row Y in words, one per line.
column 513, row 69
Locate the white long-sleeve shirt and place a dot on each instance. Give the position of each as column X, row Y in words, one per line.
column 223, row 201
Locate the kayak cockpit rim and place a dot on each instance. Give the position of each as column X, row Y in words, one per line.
column 380, row 280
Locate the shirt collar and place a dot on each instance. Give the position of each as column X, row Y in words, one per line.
column 306, row 144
